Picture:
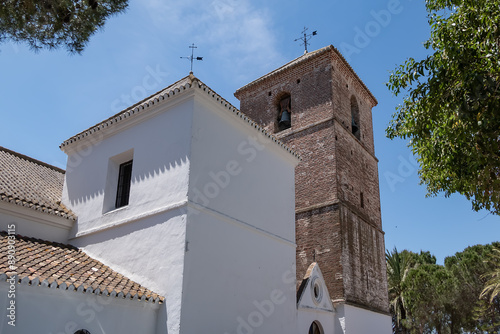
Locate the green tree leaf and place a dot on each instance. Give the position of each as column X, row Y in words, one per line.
column 451, row 108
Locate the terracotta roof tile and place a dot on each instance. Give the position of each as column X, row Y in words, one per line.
column 31, row 183
column 40, row 262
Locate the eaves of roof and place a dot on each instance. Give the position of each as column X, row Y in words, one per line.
column 53, row 265
column 31, row 183
column 181, row 86
column 307, row 57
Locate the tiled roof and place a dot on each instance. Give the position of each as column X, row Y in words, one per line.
column 53, row 265
column 308, row 56
column 176, row 88
column 31, row 183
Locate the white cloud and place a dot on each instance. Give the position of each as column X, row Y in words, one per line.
column 239, row 35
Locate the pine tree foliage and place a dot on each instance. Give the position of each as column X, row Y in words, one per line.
column 459, row 297
column 53, row 24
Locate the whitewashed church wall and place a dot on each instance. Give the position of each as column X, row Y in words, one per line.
column 237, row 279
column 150, row 252
column 147, row 240
column 305, row 318
column 240, row 172
column 239, row 271
column 54, row 311
column 351, row 319
column 31, row 223
column 159, row 147
column 144, row 240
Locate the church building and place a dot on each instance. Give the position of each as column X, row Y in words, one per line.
column 183, row 214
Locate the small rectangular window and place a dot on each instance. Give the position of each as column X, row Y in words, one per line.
column 124, row 179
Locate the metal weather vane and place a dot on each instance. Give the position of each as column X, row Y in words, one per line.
column 306, row 37
column 192, row 57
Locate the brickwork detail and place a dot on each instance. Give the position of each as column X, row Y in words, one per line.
column 338, row 221
column 314, row 245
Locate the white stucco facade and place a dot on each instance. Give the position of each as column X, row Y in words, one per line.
column 240, row 231
column 314, row 303
column 34, row 223
column 144, row 240
column 40, row 309
column 210, row 221
column 352, row 319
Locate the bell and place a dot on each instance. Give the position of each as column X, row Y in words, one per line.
column 354, row 126
column 285, row 120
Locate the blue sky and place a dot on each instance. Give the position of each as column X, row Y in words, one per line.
column 49, row 96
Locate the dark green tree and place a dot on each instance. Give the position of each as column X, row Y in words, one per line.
column 399, row 264
column 459, row 297
column 55, row 23
column 454, row 298
column 451, row 109
column 469, row 268
column 429, row 291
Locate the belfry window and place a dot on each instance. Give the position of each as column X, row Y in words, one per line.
column 124, row 179
column 284, row 113
column 355, row 124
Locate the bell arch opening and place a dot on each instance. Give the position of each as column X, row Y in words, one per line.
column 355, row 123
column 284, row 112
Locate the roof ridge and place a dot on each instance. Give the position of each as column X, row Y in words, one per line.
column 303, row 58
column 169, row 91
column 190, row 76
column 283, row 67
column 30, row 159
column 136, row 107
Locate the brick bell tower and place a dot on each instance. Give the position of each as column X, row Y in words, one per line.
column 338, row 220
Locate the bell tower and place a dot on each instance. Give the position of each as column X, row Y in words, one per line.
column 320, row 108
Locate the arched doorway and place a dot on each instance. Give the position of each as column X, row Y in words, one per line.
column 315, row 328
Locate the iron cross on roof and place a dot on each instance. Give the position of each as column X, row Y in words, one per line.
column 192, row 57
column 305, row 39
